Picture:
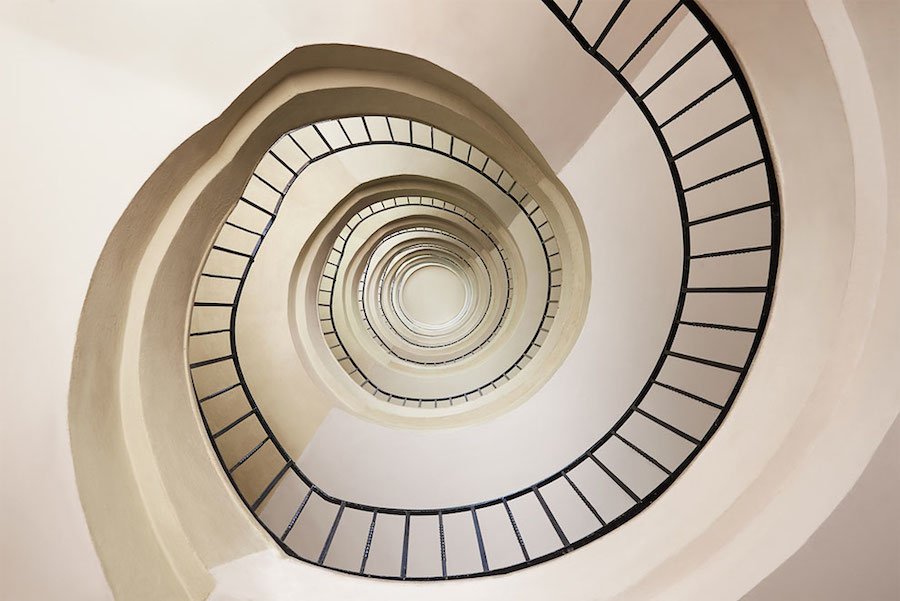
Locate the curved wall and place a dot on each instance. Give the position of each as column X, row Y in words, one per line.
column 152, row 413
column 780, row 48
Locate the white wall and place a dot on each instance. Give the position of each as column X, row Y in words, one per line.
column 98, row 95
column 849, row 556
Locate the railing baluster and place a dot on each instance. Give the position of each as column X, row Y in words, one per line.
column 681, row 62
column 643, row 453
column 690, row 395
column 405, row 553
column 346, row 135
column 734, row 124
column 710, row 362
column 443, row 544
column 609, row 24
column 668, row 426
column 334, row 527
column 575, row 10
column 215, row 394
column 584, row 500
column 233, row 424
column 550, row 516
column 297, row 144
column 365, row 558
column 515, row 528
column 724, row 175
column 484, row 561
column 266, row 182
column 256, row 206
column 726, row 289
column 366, row 127
column 650, row 36
column 731, row 213
column 243, row 229
column 243, row 459
column 698, row 100
column 271, row 485
column 209, row 361
column 280, row 160
column 615, row 479
column 232, row 251
column 327, row 144
column 296, row 515
column 717, row 326
column 736, row 251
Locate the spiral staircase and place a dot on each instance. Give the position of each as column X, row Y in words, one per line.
column 579, row 299
column 502, row 321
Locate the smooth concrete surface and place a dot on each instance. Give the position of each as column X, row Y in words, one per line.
column 85, row 71
column 855, row 553
column 433, row 295
column 850, row 556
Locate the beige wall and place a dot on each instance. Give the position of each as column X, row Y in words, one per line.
column 850, row 556
column 103, row 93
column 99, row 94
column 855, row 553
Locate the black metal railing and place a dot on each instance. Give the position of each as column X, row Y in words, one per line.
column 627, row 468
column 460, row 337
column 335, row 262
column 402, row 133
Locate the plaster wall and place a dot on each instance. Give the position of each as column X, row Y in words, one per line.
column 100, row 94
column 87, row 89
column 848, row 557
